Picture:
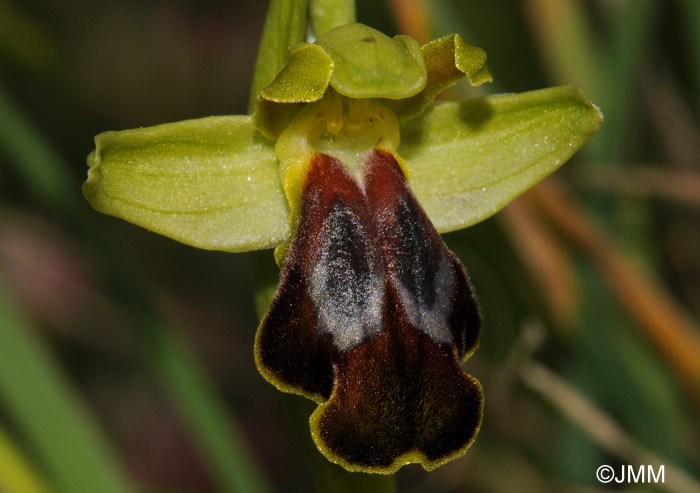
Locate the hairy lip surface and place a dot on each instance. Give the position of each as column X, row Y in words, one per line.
column 372, row 320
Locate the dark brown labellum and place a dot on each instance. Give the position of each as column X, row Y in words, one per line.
column 372, row 319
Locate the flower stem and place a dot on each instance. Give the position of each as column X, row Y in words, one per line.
column 327, row 14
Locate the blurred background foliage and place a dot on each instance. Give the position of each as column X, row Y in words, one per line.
column 126, row 358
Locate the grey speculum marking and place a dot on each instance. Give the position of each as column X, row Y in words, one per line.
column 424, row 278
column 346, row 284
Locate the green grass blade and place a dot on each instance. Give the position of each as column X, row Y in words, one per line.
column 16, row 473
column 211, row 424
column 692, row 26
column 632, row 32
column 36, row 395
column 34, row 159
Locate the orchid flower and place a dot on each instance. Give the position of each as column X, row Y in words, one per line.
column 351, row 170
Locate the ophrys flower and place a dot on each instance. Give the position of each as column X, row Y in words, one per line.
column 374, row 315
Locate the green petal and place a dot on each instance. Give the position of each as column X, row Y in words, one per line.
column 211, row 183
column 469, row 159
column 447, row 60
column 285, row 26
column 369, row 64
column 303, row 79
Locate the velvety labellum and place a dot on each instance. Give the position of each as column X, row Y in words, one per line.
column 372, row 319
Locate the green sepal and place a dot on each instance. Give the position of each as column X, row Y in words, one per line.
column 447, row 60
column 212, row 183
column 369, row 64
column 469, row 159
